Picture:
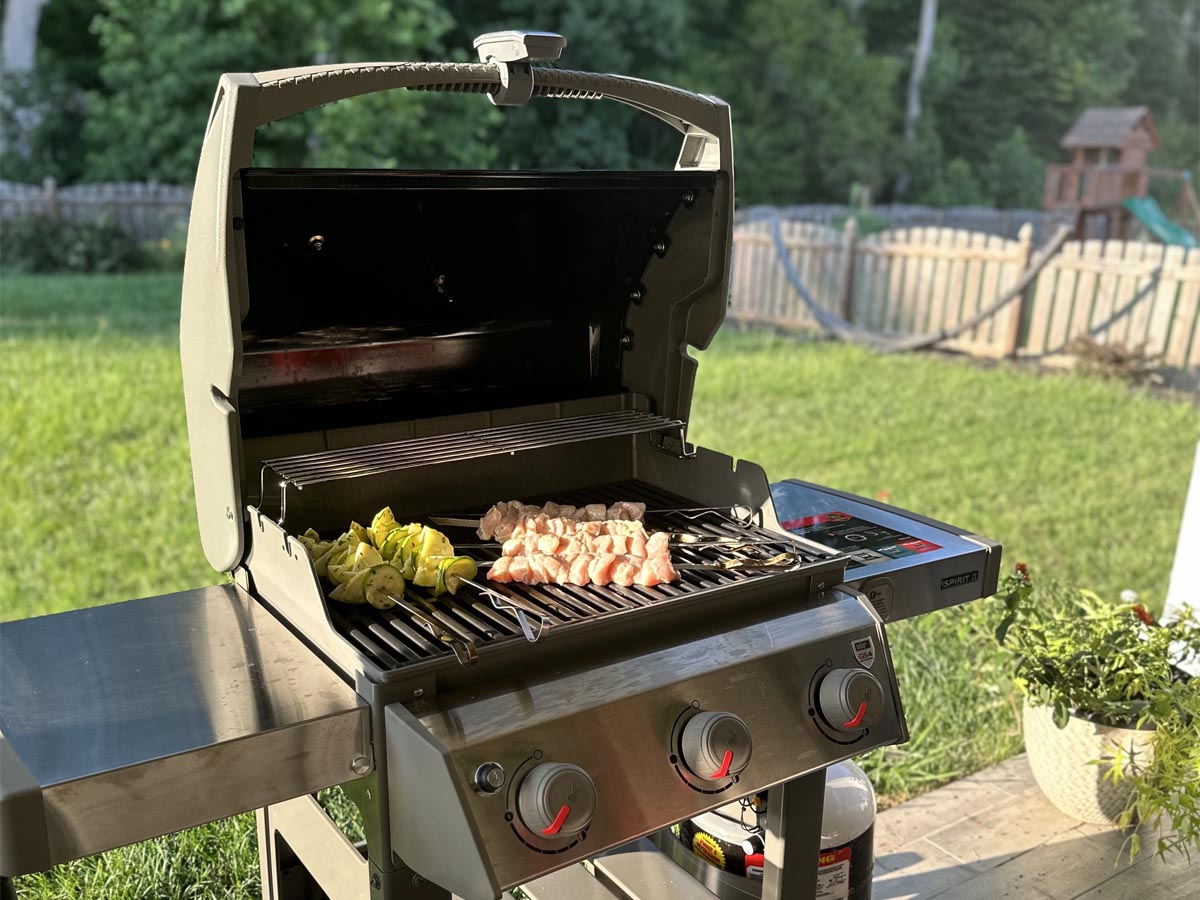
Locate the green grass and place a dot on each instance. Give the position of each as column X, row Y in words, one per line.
column 1082, row 479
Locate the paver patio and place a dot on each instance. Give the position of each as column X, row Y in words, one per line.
column 994, row 835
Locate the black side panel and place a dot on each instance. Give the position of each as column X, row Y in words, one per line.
column 380, row 296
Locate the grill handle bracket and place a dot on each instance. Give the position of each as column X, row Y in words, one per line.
column 511, row 52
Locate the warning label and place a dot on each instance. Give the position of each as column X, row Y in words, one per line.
column 865, row 541
column 833, row 874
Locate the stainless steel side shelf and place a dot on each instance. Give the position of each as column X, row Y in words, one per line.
column 120, row 723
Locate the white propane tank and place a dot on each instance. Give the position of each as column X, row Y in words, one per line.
column 731, row 839
column 847, row 834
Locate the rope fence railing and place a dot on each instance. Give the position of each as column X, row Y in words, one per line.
column 911, row 288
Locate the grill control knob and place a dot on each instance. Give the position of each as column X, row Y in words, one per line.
column 850, row 699
column 489, row 778
column 556, row 800
column 716, row 744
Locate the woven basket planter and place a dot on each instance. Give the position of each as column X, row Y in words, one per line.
column 1060, row 760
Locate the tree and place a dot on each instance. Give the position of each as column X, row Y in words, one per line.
column 1034, row 64
column 813, row 110
column 643, row 38
column 1013, row 173
column 43, row 107
column 20, row 34
column 161, row 60
column 912, row 110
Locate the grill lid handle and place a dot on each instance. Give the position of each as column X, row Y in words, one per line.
column 511, row 52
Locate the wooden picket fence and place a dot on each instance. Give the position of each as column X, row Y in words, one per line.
column 913, row 281
column 148, row 211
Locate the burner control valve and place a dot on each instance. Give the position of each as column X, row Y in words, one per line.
column 556, row 800
column 716, row 745
column 850, row 699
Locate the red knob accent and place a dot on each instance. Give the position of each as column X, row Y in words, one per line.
column 724, row 770
column 556, row 826
column 858, row 716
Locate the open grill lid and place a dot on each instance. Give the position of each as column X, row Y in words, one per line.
column 388, row 296
column 338, row 303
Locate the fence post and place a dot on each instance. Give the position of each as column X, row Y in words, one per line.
column 849, row 241
column 50, row 198
column 1025, row 254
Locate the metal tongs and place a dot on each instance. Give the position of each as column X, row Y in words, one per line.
column 780, row 562
column 463, row 646
column 517, row 607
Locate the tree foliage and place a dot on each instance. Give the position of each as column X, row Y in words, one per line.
column 812, row 108
column 817, row 87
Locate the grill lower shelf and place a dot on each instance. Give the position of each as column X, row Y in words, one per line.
column 392, row 639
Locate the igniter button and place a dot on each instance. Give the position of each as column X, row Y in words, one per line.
column 489, row 778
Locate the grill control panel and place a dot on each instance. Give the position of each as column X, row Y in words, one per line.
column 597, row 756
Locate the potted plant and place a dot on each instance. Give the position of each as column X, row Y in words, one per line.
column 1112, row 728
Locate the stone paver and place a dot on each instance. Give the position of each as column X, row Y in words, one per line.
column 994, row 835
column 918, row 870
column 931, row 812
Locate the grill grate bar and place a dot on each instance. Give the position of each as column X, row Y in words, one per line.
column 330, row 465
column 393, row 641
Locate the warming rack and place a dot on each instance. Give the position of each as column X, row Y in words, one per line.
column 306, row 469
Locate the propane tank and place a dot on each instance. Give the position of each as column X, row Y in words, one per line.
column 731, row 839
column 847, row 835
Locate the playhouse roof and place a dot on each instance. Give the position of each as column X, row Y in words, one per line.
column 1109, row 127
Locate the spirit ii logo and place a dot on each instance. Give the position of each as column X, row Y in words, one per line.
column 957, row 580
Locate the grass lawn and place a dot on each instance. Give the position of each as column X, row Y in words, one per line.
column 1082, row 479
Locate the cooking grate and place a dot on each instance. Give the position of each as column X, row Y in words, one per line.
column 392, row 639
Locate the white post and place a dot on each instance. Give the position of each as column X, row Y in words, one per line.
column 1184, row 588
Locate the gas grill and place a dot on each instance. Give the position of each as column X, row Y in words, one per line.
column 437, row 342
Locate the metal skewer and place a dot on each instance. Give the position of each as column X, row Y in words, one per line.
column 742, row 514
column 780, row 562
column 675, row 540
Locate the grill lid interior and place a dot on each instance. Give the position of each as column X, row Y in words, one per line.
column 381, row 296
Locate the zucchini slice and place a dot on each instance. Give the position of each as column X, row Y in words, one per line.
column 394, row 538
column 339, row 573
column 434, row 546
column 450, row 572
column 405, row 557
column 321, row 563
column 381, row 524
column 360, row 533
column 354, row 590
column 366, row 556
column 317, row 550
column 382, row 581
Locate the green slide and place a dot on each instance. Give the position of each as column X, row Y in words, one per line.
column 1150, row 214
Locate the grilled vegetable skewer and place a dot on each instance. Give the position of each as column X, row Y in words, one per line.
column 372, row 565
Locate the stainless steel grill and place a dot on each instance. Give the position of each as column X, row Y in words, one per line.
column 353, row 339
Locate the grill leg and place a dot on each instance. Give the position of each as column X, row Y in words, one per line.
column 304, row 856
column 793, row 840
column 390, row 879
